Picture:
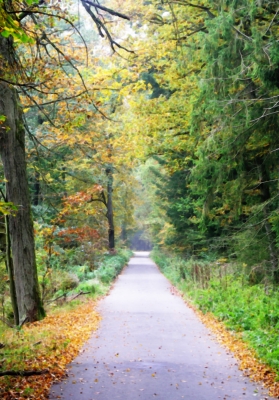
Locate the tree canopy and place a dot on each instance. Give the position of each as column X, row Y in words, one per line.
column 169, row 108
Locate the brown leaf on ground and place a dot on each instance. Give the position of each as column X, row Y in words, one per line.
column 248, row 361
column 62, row 335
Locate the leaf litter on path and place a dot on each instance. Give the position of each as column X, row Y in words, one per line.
column 54, row 343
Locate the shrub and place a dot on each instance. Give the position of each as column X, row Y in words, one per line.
column 69, row 281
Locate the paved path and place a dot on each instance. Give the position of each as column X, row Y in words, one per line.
column 150, row 345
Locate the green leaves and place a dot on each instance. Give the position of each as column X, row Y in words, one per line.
column 31, row 2
column 18, row 35
column 7, row 208
column 12, row 27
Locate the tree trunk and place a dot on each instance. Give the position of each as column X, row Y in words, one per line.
column 264, row 178
column 10, row 268
column 271, row 246
column 12, row 152
column 123, row 232
column 36, row 189
column 110, row 208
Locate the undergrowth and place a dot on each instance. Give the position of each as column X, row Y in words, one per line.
column 97, row 282
column 219, row 288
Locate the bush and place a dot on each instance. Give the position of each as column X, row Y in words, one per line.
column 69, row 281
column 53, row 282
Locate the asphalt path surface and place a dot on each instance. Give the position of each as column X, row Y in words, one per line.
column 150, row 345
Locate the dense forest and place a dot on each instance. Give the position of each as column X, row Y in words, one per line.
column 153, row 116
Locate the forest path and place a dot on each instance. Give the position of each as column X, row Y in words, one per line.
column 150, row 345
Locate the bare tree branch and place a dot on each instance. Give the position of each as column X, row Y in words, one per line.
column 23, row 373
column 108, row 10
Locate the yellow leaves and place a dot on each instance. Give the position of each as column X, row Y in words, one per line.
column 7, row 208
column 60, row 90
column 222, row 260
column 48, row 177
column 138, row 86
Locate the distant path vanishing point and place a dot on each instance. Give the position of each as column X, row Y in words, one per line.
column 150, row 345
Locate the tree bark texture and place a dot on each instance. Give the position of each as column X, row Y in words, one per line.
column 12, row 152
column 10, row 268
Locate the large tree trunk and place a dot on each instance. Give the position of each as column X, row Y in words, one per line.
column 10, row 268
column 12, row 152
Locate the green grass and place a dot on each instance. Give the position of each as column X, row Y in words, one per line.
column 111, row 266
column 103, row 276
column 250, row 309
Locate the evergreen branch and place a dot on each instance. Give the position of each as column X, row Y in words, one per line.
column 242, row 34
column 264, row 115
column 202, row 29
column 207, row 9
column 269, row 26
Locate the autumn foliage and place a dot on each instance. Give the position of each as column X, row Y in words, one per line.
column 85, row 233
column 193, row 99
